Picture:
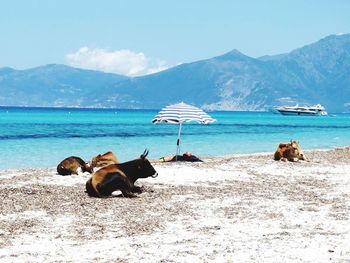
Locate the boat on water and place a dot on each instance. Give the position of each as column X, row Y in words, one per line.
column 315, row 110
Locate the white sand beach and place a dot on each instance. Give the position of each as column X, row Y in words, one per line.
column 246, row 208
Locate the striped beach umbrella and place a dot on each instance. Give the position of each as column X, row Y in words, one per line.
column 180, row 113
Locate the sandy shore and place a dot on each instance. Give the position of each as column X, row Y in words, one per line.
column 246, row 208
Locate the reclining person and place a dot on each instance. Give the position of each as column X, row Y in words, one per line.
column 186, row 157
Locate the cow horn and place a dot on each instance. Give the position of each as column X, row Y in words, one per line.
column 145, row 153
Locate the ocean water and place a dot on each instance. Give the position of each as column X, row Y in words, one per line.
column 38, row 138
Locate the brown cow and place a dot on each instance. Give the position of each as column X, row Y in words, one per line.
column 72, row 165
column 121, row 176
column 102, row 160
column 289, row 151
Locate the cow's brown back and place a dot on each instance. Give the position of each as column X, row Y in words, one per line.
column 280, row 151
column 102, row 160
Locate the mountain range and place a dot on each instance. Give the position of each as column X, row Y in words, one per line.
column 315, row 73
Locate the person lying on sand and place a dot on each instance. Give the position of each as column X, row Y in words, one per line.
column 186, row 157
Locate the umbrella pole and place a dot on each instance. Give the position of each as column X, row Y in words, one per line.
column 178, row 142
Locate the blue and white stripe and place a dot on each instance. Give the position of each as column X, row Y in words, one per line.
column 182, row 112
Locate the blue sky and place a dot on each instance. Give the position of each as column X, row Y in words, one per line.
column 139, row 37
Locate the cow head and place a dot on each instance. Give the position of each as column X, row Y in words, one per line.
column 296, row 150
column 87, row 168
column 145, row 167
column 94, row 160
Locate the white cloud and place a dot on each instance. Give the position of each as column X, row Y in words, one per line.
column 123, row 61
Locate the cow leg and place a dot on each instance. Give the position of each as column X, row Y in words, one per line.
column 127, row 193
column 137, row 189
column 302, row 157
column 113, row 182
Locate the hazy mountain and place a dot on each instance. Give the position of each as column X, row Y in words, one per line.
column 319, row 72
column 52, row 85
column 316, row 73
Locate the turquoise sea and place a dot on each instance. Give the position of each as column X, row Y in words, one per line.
column 42, row 137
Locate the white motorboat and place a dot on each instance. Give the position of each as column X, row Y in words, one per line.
column 315, row 110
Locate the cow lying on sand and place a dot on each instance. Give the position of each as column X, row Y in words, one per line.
column 289, row 151
column 121, row 176
column 102, row 160
column 73, row 165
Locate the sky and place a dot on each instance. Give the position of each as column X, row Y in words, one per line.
column 138, row 37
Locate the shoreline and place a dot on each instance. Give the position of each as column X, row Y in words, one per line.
column 205, row 158
column 331, row 148
column 239, row 208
